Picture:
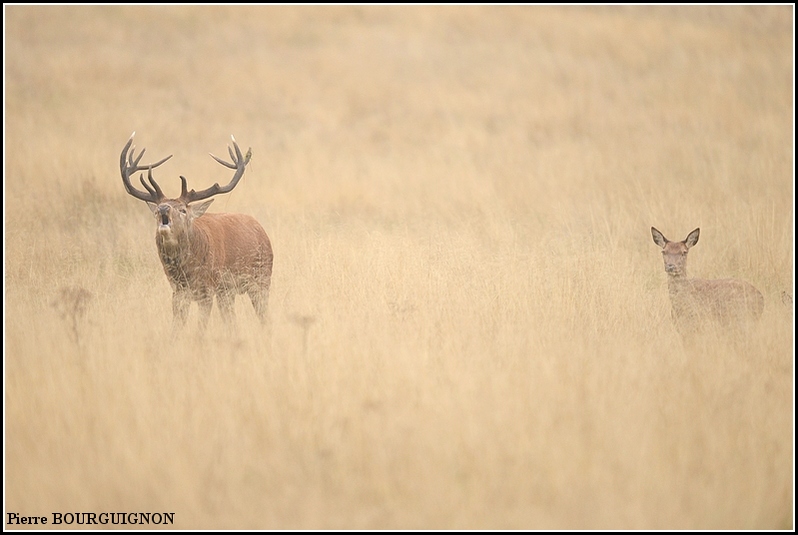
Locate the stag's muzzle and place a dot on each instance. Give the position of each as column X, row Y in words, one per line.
column 163, row 217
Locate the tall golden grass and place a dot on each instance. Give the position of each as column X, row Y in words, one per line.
column 470, row 325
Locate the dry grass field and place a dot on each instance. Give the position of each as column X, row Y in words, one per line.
column 470, row 324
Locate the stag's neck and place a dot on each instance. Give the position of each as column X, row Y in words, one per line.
column 182, row 255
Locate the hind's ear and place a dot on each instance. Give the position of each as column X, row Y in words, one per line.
column 199, row 209
column 659, row 239
column 692, row 238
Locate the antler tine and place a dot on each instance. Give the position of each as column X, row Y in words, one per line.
column 152, row 165
column 129, row 164
column 155, row 188
column 183, row 186
column 239, row 164
column 147, row 186
column 224, row 163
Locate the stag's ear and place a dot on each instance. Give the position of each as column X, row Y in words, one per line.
column 659, row 239
column 199, row 209
column 692, row 238
column 152, row 206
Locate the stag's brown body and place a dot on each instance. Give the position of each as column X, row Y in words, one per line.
column 205, row 255
column 221, row 255
column 728, row 303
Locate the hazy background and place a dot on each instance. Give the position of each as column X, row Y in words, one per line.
column 470, row 325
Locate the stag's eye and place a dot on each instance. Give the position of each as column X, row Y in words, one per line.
column 182, row 210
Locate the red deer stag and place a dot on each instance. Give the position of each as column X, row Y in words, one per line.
column 205, row 254
column 727, row 302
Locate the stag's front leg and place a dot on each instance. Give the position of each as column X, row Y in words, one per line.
column 226, row 300
column 180, row 304
column 205, row 305
column 260, row 301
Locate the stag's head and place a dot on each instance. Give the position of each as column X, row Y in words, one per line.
column 174, row 216
column 674, row 254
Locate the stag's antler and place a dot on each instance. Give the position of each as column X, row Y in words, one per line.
column 239, row 164
column 128, row 165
